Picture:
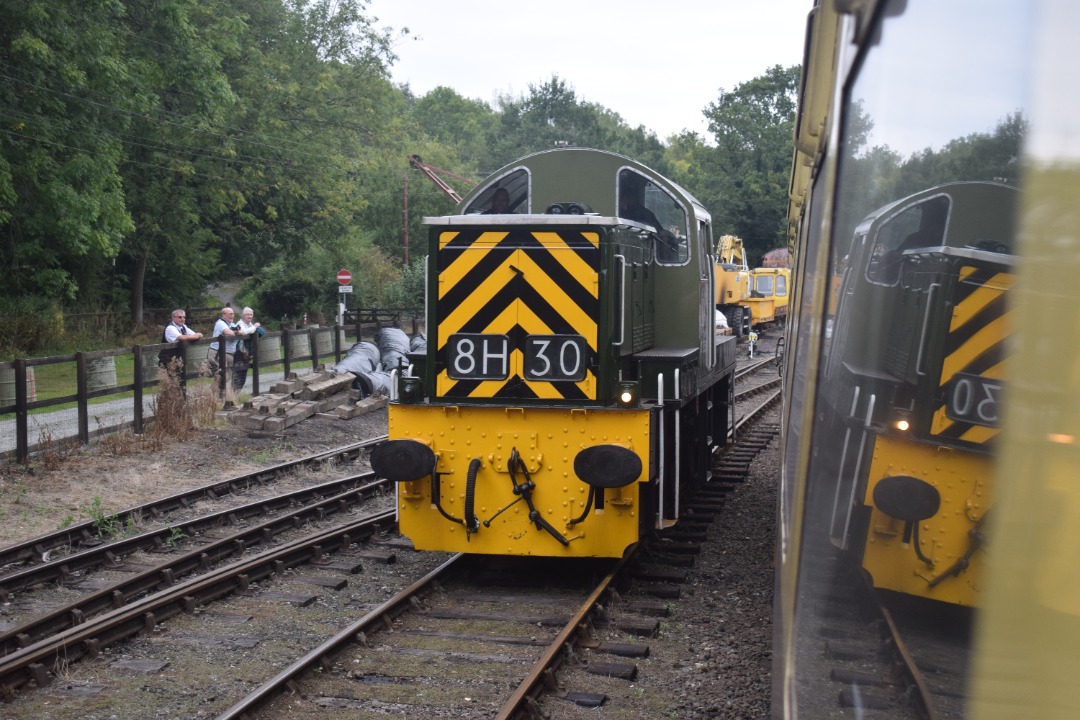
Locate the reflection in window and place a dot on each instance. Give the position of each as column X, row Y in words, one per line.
column 921, row 115
column 937, row 97
column 920, row 226
column 511, row 189
column 642, row 201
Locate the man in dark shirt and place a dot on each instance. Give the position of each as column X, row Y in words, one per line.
column 500, row 202
column 632, row 209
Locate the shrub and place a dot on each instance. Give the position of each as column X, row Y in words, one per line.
column 32, row 326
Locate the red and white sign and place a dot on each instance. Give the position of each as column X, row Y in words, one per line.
column 344, row 277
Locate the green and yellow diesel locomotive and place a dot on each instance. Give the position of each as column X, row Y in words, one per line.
column 573, row 384
column 916, row 414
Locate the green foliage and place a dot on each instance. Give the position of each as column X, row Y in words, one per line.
column 283, row 291
column 457, row 122
column 148, row 148
column 105, row 523
column 551, row 114
column 61, row 196
column 176, row 535
column 408, row 290
column 743, row 179
column 32, row 326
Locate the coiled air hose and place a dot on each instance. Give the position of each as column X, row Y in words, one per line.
column 472, row 523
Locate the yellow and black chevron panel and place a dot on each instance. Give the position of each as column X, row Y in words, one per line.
column 517, row 313
column 973, row 364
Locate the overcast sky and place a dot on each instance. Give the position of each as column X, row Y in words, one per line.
column 657, row 64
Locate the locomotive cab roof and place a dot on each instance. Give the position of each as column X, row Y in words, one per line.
column 587, row 177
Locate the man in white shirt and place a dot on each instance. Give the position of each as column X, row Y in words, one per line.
column 227, row 328
column 176, row 331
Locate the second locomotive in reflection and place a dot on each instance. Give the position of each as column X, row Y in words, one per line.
column 915, row 416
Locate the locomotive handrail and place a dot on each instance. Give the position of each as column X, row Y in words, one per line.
column 843, row 461
column 622, row 301
column 660, row 465
column 858, row 465
column 678, row 442
column 925, row 328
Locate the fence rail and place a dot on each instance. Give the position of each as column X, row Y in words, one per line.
column 29, row 386
column 382, row 317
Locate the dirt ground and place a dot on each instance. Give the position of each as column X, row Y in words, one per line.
column 69, row 484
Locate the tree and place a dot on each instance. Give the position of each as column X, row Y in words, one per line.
column 744, row 178
column 551, row 115
column 61, row 197
column 469, row 126
column 288, row 288
column 173, row 169
column 879, row 175
column 284, row 101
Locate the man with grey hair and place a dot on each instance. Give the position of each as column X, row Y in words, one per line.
column 246, row 327
column 227, row 328
column 176, row 331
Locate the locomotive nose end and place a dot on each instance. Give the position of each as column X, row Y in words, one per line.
column 402, row 460
column 607, row 466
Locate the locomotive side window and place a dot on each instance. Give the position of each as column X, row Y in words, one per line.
column 645, row 202
column 921, row 225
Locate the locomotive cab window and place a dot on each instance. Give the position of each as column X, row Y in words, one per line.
column 506, row 194
column 645, row 202
column 921, row 225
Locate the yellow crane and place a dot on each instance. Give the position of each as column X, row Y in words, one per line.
column 732, row 283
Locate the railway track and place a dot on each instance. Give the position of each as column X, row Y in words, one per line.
column 479, row 634
column 209, row 552
column 900, row 657
column 486, row 651
column 86, row 534
column 135, row 615
column 71, row 569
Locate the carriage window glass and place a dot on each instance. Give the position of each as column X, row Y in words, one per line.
column 922, row 225
column 928, row 106
column 644, row 202
column 511, row 189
